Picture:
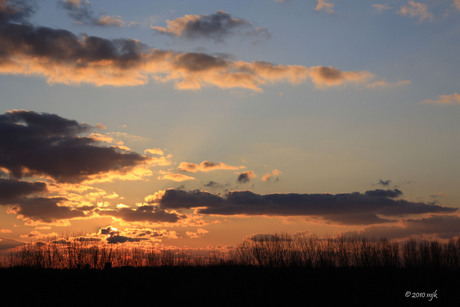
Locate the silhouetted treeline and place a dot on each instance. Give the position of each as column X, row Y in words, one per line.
column 274, row 250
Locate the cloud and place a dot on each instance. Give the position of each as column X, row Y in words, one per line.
column 275, row 173
column 215, row 185
column 154, row 151
column 416, row 9
column 382, row 83
column 445, row 99
column 11, row 189
column 216, row 26
column 323, row 5
column 371, row 207
column 15, row 11
column 323, row 76
column 174, row 176
column 179, row 199
column 196, row 234
column 245, row 177
column 22, row 199
column 63, row 57
column 44, row 209
column 206, row 166
column 80, row 11
column 143, row 213
column 443, row 226
column 456, row 4
column 384, row 183
column 113, row 235
column 58, row 150
column 381, row 7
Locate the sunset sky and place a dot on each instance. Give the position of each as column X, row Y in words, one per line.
column 196, row 124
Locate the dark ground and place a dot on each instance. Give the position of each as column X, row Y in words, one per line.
column 229, row 286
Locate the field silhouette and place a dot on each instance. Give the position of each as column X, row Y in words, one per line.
column 264, row 270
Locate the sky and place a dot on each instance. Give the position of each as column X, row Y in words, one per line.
column 197, row 124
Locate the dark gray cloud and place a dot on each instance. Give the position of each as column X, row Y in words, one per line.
column 215, row 185
column 11, row 189
column 371, row 207
column 245, row 177
column 45, row 209
column 442, row 226
column 123, row 239
column 80, row 11
column 216, row 26
column 146, row 213
column 180, row 199
column 62, row 46
column 20, row 196
column 212, row 184
column 384, row 193
column 384, row 183
column 136, row 235
column 16, row 10
column 46, row 144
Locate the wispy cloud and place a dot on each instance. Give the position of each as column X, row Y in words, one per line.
column 323, row 5
column 384, row 183
column 206, row 166
column 80, row 11
column 381, row 7
column 442, row 226
column 382, row 83
column 445, row 99
column 174, row 176
column 416, row 10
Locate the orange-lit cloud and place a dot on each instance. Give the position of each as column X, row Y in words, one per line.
column 63, row 57
column 275, row 173
column 154, row 151
column 445, row 99
column 245, row 177
column 416, row 10
column 206, row 166
column 382, row 83
column 323, row 5
column 323, row 76
column 456, row 4
column 174, row 176
column 196, row 234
